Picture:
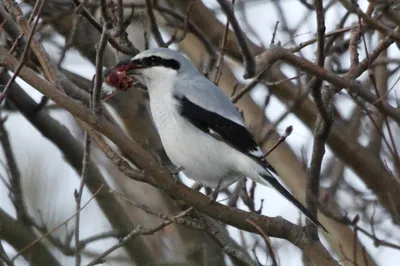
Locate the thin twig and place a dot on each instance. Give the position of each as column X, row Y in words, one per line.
column 322, row 128
column 78, row 196
column 267, row 241
column 274, row 33
column 281, row 139
column 135, row 232
column 57, row 227
column 371, row 21
column 347, row 81
column 128, row 49
column 248, row 87
column 248, row 59
column 98, row 80
column 4, row 257
column 15, row 175
column 153, row 24
column 46, row 65
column 122, row 165
column 104, row 12
column 218, row 65
column 70, row 38
column 145, row 25
column 3, row 95
column 186, row 21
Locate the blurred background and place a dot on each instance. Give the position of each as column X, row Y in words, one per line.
column 41, row 159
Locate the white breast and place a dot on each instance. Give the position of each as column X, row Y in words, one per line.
column 188, row 147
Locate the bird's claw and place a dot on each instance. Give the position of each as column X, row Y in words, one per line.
column 175, row 174
column 213, row 196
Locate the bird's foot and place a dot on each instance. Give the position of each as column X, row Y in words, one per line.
column 213, row 196
column 175, row 173
column 147, row 145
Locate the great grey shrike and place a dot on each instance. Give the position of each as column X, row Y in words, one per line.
column 201, row 130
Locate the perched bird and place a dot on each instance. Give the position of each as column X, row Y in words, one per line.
column 201, row 130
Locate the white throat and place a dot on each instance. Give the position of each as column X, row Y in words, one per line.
column 159, row 80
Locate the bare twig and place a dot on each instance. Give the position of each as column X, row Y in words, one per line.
column 220, row 59
column 248, row 59
column 15, row 175
column 4, row 257
column 235, row 98
column 136, row 232
column 78, row 197
column 145, row 30
column 122, row 165
column 104, row 12
column 268, row 243
column 277, row 53
column 153, row 24
column 3, row 95
column 98, row 80
column 350, row 6
column 322, row 128
column 126, row 49
column 378, row 241
column 281, row 139
column 274, row 33
column 186, row 21
column 37, row 48
column 70, row 38
column 57, row 227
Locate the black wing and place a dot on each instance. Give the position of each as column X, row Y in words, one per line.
column 221, row 128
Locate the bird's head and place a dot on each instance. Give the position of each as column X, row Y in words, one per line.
column 157, row 65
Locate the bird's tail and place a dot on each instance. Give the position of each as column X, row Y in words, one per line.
column 273, row 182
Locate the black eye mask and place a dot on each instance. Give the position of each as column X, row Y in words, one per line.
column 153, row 61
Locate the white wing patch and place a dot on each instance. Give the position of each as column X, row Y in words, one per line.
column 257, row 152
column 107, row 89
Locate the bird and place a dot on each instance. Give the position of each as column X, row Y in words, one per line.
column 201, row 130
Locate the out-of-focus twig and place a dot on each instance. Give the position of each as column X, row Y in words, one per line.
column 78, row 197
column 57, row 227
column 153, row 24
column 98, row 80
column 268, row 243
column 248, row 59
column 218, row 64
column 277, row 53
column 37, row 48
column 323, row 125
column 4, row 257
column 174, row 38
column 3, row 95
column 128, row 48
column 15, row 175
column 352, row 7
column 136, row 232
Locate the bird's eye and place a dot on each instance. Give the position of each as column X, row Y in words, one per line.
column 151, row 61
column 155, row 59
